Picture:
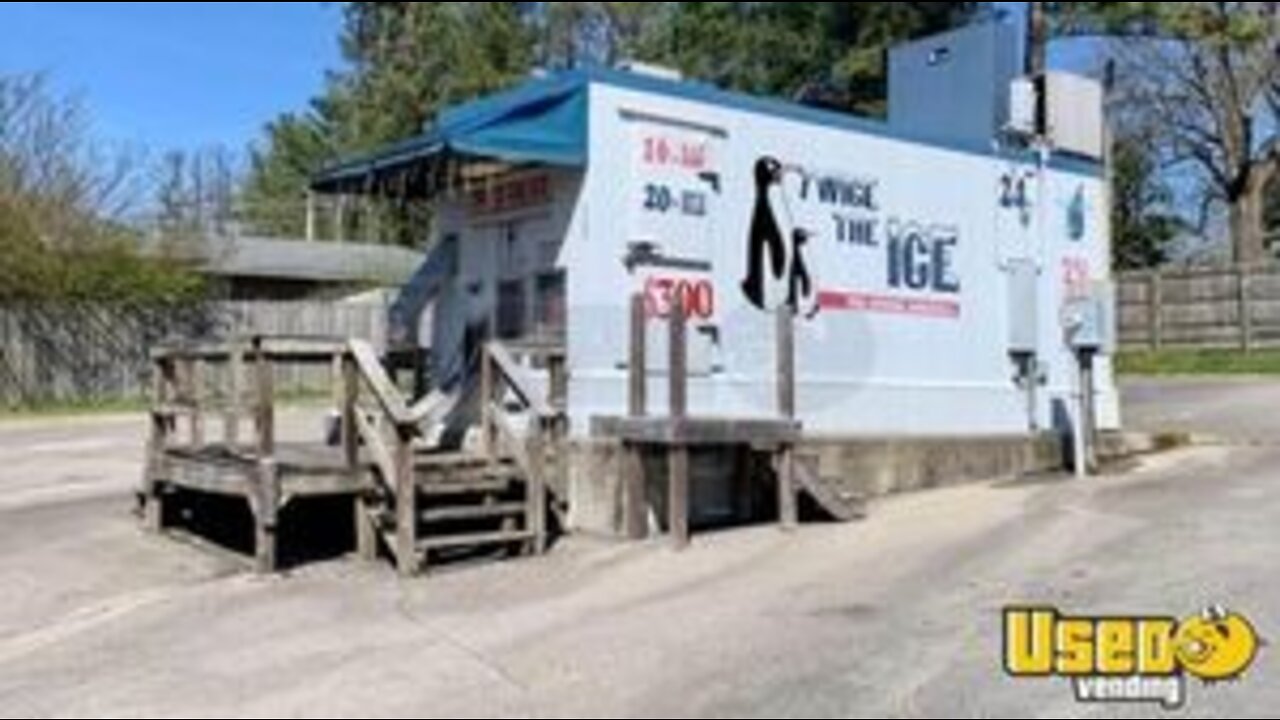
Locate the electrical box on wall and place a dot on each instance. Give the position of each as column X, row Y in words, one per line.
column 1062, row 108
column 1090, row 322
column 1024, row 108
column 1073, row 114
column 1024, row 308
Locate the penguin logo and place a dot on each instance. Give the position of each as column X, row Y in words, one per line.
column 1077, row 216
column 773, row 254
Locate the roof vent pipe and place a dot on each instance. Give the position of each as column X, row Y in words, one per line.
column 653, row 71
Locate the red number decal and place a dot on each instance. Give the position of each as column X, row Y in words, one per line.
column 697, row 296
column 683, row 155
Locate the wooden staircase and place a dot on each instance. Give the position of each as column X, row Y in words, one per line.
column 429, row 506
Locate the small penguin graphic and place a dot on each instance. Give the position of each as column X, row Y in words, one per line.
column 766, row 243
column 800, row 290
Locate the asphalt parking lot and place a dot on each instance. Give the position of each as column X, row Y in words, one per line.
column 899, row 616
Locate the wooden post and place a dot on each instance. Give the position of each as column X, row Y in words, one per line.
column 1156, row 310
column 558, row 366
column 151, row 499
column 678, row 397
column 197, row 388
column 235, row 397
column 678, row 454
column 337, row 380
column 1245, row 278
column 267, row 515
column 635, row 487
column 678, row 458
column 537, row 489
column 266, row 493
column 265, row 411
column 788, row 500
column 637, row 365
column 488, row 391
column 182, row 395
column 366, row 529
column 635, row 484
column 407, row 561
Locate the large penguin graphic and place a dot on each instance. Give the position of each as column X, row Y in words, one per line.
column 765, row 242
column 774, row 254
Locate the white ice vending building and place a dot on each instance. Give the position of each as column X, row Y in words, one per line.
column 926, row 257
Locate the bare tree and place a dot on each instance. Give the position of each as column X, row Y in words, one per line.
column 1211, row 86
column 49, row 162
column 196, row 193
column 65, row 202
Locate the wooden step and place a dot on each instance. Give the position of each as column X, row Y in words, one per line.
column 473, row 487
column 503, row 474
column 451, row 542
column 455, row 461
column 474, row 512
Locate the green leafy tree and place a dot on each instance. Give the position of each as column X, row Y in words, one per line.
column 828, row 53
column 297, row 145
column 1144, row 221
column 409, row 60
column 404, row 63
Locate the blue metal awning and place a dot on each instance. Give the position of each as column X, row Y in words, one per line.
column 543, row 122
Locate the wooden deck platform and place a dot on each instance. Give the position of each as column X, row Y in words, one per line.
column 418, row 504
column 678, row 433
column 305, row 470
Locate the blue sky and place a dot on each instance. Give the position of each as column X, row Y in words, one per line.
column 176, row 75
column 186, row 75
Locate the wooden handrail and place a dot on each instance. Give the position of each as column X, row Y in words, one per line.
column 375, row 376
column 518, row 381
column 274, row 348
column 511, row 439
column 540, row 350
column 380, row 454
column 389, row 397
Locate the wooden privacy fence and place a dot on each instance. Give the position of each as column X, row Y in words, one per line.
column 87, row 353
column 1205, row 308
